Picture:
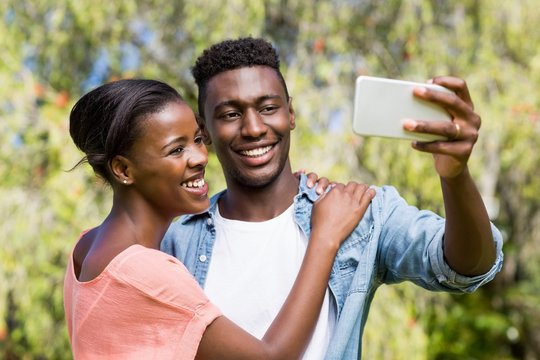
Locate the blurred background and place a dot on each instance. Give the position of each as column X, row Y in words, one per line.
column 53, row 51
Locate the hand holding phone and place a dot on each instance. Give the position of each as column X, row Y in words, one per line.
column 381, row 105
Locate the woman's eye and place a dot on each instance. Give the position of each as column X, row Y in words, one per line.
column 199, row 139
column 177, row 150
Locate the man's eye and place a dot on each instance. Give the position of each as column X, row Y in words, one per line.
column 230, row 115
column 269, row 109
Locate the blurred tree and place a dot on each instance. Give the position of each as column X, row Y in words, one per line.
column 55, row 51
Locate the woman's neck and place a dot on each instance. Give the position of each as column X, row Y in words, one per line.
column 138, row 223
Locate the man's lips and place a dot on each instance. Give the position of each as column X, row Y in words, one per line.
column 258, row 156
column 260, row 151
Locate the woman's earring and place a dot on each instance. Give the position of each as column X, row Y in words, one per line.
column 125, row 181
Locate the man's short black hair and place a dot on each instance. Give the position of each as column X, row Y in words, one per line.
column 233, row 54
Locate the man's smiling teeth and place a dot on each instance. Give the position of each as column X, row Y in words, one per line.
column 199, row 183
column 256, row 152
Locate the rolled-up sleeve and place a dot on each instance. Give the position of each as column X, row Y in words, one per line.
column 445, row 275
column 411, row 247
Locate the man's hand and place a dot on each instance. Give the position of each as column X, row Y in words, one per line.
column 450, row 156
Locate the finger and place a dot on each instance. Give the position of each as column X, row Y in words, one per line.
column 322, row 184
column 445, row 129
column 457, row 85
column 366, row 198
column 311, row 179
column 351, row 187
column 359, row 191
column 451, row 102
column 457, row 149
column 457, row 132
column 299, row 172
column 443, row 98
column 337, row 186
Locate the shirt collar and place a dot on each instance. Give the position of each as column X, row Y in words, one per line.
column 303, row 190
column 210, row 212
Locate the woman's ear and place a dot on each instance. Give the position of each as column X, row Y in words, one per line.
column 120, row 170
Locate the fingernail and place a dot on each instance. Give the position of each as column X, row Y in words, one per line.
column 409, row 124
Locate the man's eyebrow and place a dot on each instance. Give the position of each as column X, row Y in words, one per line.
column 226, row 103
column 268, row 97
column 258, row 100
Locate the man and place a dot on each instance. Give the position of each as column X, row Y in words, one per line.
column 251, row 240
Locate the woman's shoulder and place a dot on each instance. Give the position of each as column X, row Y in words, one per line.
column 81, row 249
column 141, row 262
column 158, row 275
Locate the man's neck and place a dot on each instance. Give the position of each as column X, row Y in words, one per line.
column 259, row 204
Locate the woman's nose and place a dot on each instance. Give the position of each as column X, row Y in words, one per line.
column 198, row 156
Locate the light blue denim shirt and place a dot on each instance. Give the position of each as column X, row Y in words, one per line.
column 394, row 242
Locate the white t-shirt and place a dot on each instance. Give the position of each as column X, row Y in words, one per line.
column 253, row 268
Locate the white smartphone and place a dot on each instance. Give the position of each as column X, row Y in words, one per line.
column 381, row 105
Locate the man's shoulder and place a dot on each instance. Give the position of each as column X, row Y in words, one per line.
column 192, row 219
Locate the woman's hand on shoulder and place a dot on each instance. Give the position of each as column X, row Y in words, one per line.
column 339, row 210
column 314, row 180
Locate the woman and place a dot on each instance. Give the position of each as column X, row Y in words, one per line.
column 126, row 299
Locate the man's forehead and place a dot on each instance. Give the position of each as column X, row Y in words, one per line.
column 245, row 79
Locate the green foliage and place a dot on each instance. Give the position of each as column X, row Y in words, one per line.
column 50, row 49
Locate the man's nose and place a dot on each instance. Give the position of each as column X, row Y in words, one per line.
column 253, row 124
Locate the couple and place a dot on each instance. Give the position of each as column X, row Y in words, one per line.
column 248, row 246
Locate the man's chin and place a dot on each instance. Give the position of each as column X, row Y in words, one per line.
column 255, row 180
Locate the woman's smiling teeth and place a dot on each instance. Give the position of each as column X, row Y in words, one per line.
column 199, row 183
column 256, row 152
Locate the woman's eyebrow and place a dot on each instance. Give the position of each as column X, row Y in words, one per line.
column 178, row 139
